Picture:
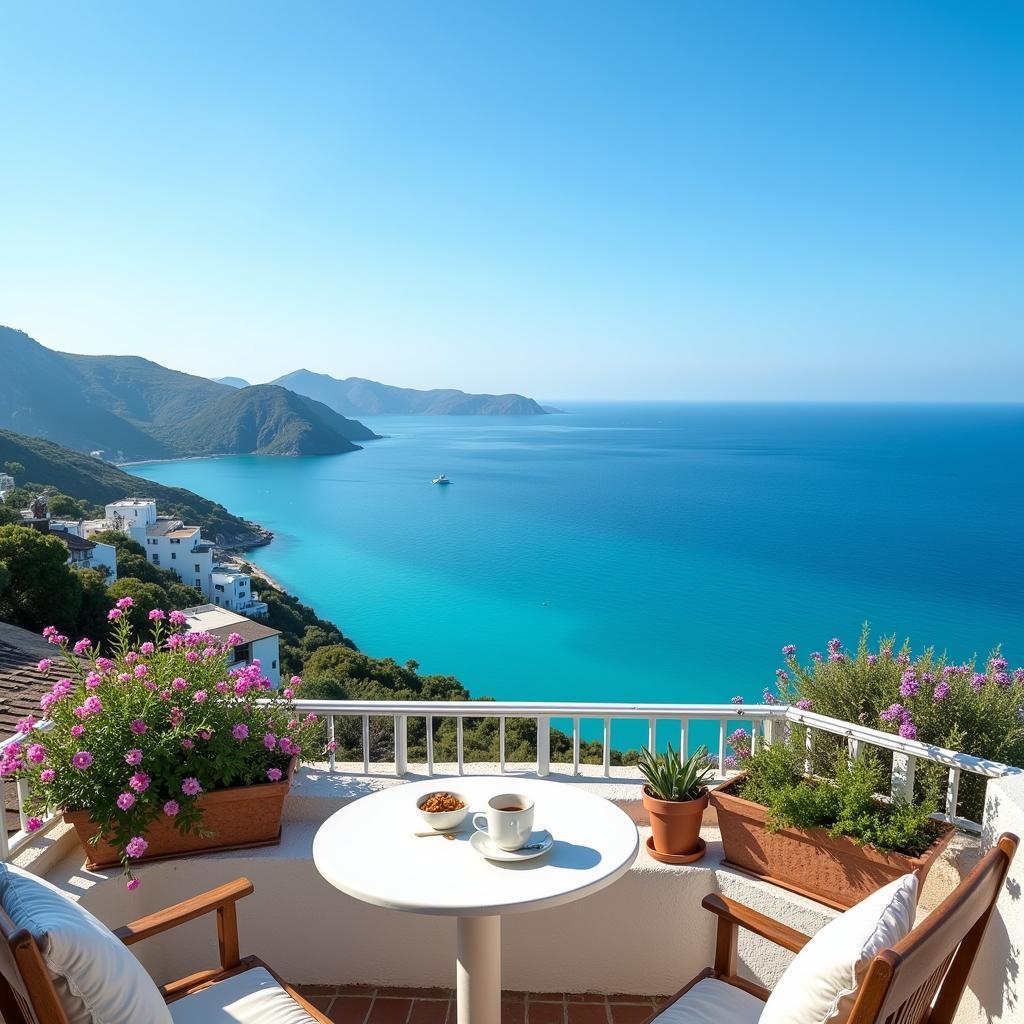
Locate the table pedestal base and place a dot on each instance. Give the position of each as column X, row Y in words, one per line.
column 478, row 971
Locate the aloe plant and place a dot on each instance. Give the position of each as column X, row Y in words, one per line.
column 671, row 778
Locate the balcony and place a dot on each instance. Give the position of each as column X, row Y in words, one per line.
column 616, row 951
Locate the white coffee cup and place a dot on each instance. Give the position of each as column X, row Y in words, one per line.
column 508, row 821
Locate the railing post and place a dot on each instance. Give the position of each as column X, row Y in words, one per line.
column 459, row 744
column 22, row 786
column 5, row 850
column 430, row 745
column 606, row 750
column 952, row 793
column 401, row 744
column 501, row 744
column 853, row 748
column 543, row 745
column 575, row 746
column 366, row 744
column 331, row 743
column 721, row 748
column 682, row 737
column 771, row 730
column 903, row 766
column 652, row 735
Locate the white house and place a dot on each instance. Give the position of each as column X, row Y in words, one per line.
column 232, row 589
column 84, row 553
column 131, row 512
column 259, row 642
column 6, row 484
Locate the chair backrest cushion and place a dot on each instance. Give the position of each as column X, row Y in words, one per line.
column 96, row 976
column 820, row 985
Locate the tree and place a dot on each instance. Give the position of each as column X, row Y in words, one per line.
column 18, row 497
column 9, row 516
column 147, row 596
column 96, row 602
column 42, row 589
column 13, row 468
column 5, row 576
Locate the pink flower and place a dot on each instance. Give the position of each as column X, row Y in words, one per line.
column 804, row 703
column 77, row 730
column 114, row 614
column 27, row 724
column 274, row 774
column 240, row 731
column 192, row 656
column 269, row 740
column 136, row 846
column 789, row 650
column 47, row 775
column 133, row 884
column 235, row 639
column 141, row 671
column 82, row 759
column 156, row 614
column 171, row 808
column 139, row 782
column 33, row 824
column 36, row 753
column 187, row 743
column 125, row 602
column 81, row 646
column 178, row 618
column 178, row 683
column 93, row 704
column 93, row 680
column 124, row 677
column 296, row 681
column 47, row 701
column 204, row 734
column 147, row 647
column 126, row 801
column 104, row 664
column 130, row 658
column 45, row 665
column 199, row 696
column 288, row 693
column 221, row 687
column 49, row 631
column 134, row 756
column 138, row 726
column 191, row 787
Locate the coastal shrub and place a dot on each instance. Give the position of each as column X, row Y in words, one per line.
column 846, row 803
column 978, row 710
column 140, row 734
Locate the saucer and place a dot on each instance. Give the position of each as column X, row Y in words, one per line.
column 482, row 844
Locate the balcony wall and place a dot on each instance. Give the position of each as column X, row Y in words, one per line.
column 645, row 933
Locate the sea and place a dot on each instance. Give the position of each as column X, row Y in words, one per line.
column 623, row 551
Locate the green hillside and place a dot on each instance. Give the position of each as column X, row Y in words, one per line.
column 134, row 408
column 81, row 476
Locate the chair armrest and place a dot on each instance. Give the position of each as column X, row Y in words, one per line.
column 221, row 899
column 731, row 917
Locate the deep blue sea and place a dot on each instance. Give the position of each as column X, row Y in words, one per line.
column 659, row 552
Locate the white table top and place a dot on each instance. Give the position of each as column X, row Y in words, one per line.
column 368, row 850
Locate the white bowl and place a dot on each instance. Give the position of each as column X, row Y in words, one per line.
column 443, row 821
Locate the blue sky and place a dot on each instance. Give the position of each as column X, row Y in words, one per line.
column 591, row 199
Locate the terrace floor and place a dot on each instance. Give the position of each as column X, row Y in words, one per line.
column 362, row 1004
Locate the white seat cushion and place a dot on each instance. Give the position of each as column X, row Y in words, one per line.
column 820, row 985
column 97, row 978
column 713, row 1002
column 252, row 997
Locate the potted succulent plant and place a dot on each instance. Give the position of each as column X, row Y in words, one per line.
column 674, row 797
column 158, row 748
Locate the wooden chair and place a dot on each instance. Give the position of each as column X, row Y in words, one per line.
column 28, row 996
column 920, row 980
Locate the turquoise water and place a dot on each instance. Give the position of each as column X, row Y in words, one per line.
column 659, row 552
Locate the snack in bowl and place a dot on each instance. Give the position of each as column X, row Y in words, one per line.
column 443, row 810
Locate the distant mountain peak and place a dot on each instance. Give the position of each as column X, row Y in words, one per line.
column 232, row 382
column 357, row 396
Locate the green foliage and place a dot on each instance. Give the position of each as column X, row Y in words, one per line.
column 9, row 516
column 18, row 498
column 976, row 710
column 670, row 778
column 120, row 749
column 41, row 589
column 847, row 804
column 14, row 469
column 5, row 576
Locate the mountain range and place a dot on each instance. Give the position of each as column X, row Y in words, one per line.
column 355, row 396
column 133, row 408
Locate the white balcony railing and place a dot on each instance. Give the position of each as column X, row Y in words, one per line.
column 765, row 722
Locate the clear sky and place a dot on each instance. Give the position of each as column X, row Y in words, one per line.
column 590, row 199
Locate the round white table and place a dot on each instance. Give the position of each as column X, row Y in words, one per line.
column 368, row 849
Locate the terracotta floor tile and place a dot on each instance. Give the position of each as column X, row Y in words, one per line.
column 350, row 1009
column 630, row 1013
column 322, row 1003
column 387, row 1010
column 429, row 1011
column 545, row 1013
column 587, row 1013
column 512, row 1011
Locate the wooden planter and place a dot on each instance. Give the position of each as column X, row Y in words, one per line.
column 239, row 818
column 832, row 870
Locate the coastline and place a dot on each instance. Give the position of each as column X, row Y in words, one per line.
column 237, row 561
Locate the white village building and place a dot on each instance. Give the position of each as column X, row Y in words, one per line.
column 232, row 589
column 259, row 641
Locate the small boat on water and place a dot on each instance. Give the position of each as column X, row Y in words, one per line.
column 440, row 479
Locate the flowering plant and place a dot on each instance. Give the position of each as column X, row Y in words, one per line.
column 143, row 733
column 926, row 697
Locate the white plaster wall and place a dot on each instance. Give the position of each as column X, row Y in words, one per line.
column 645, row 933
column 992, row 995
column 268, row 650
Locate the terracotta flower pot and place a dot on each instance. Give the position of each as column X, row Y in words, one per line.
column 675, row 828
column 238, row 818
column 833, row 870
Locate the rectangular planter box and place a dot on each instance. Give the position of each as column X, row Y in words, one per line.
column 239, row 818
column 832, row 870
